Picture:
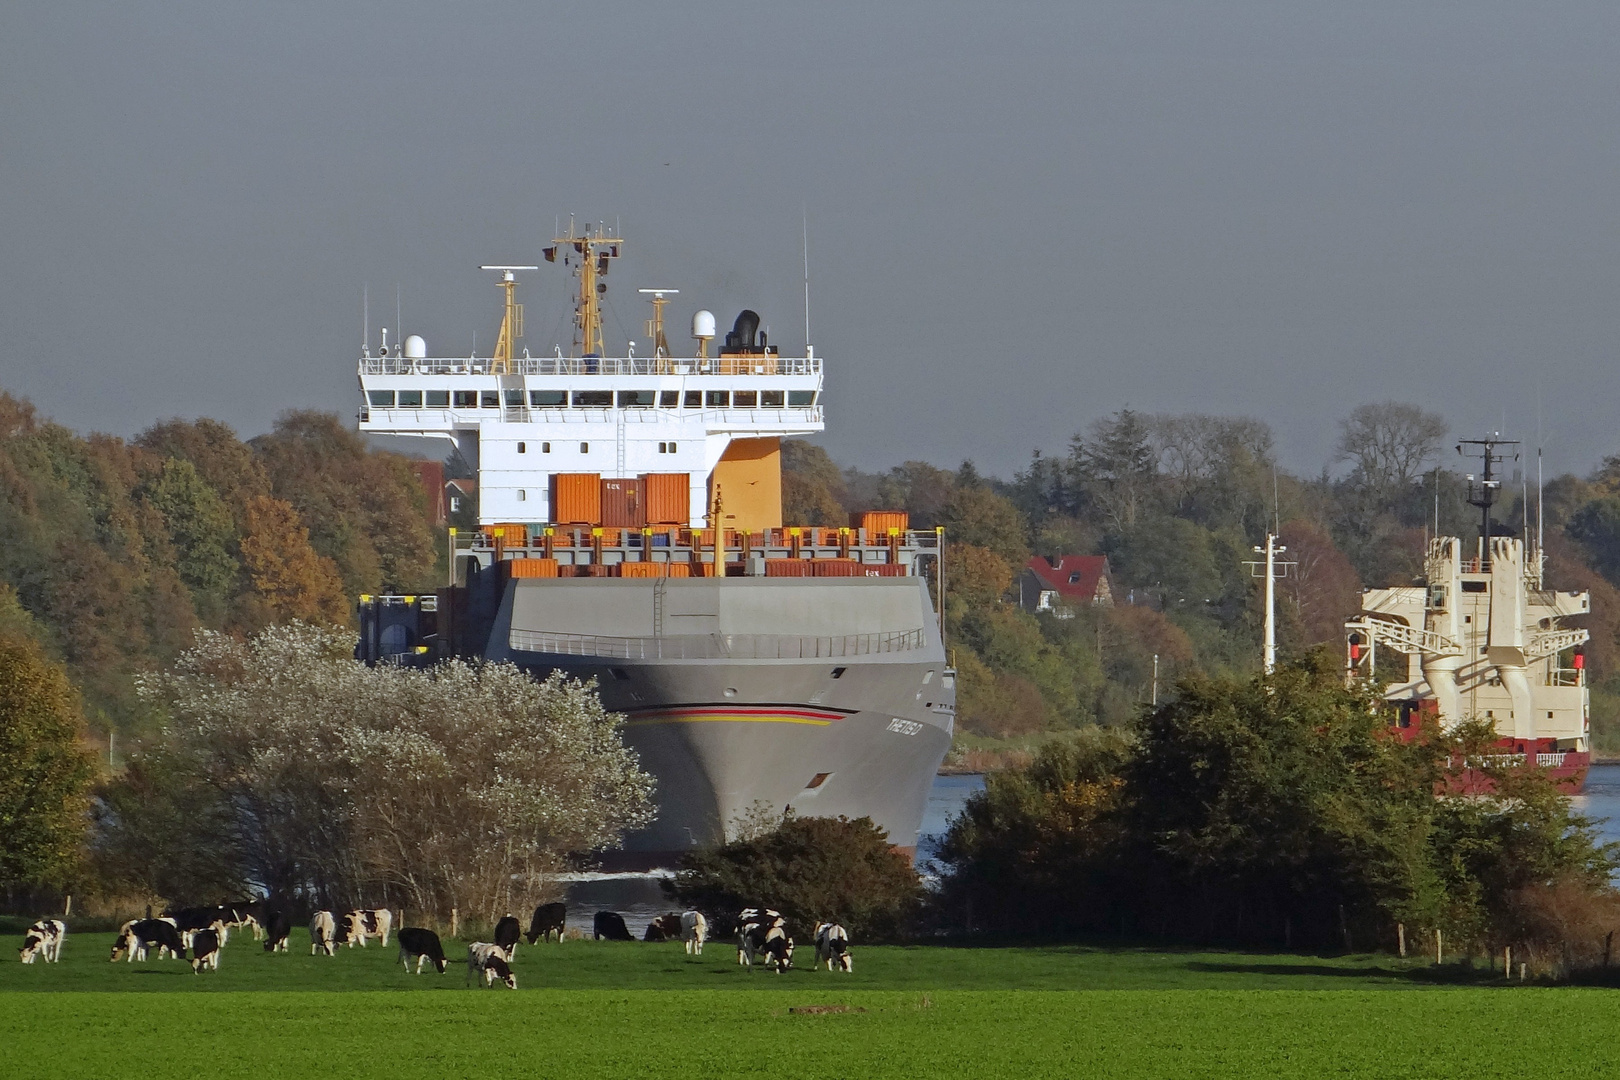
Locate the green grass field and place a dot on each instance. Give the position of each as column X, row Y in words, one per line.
column 599, row 1009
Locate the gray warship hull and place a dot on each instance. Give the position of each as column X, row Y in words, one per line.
column 827, row 696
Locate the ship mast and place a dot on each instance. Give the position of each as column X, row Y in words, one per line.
column 593, row 250
column 511, row 320
column 1483, row 494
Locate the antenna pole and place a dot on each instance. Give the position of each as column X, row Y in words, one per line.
column 365, row 319
column 808, row 349
column 1268, row 656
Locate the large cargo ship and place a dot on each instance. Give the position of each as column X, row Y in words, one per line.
column 1482, row 638
column 630, row 530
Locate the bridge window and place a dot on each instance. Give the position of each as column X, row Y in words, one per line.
column 717, row 399
column 438, row 399
column 593, row 399
column 745, row 399
column 545, row 448
column 771, row 399
column 694, row 399
column 584, row 447
column 490, row 399
column 514, row 399
column 636, row 399
column 381, row 399
column 548, row 399
column 801, row 399
column 523, row 448
column 466, row 399
column 523, row 496
column 669, row 399
column 410, row 399
column 666, row 448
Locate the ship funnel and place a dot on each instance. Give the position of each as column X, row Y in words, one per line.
column 743, row 330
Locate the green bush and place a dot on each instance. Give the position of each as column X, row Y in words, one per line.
column 810, row 869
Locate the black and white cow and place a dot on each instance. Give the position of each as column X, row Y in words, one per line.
column 548, row 919
column 778, row 948
column 140, row 935
column 277, row 928
column 832, row 948
column 664, row 928
column 423, row 945
column 322, row 933
column 190, row 920
column 484, row 960
column 610, row 925
column 204, row 951
column 506, row 935
column 43, row 939
column 694, row 931
column 362, row 924
column 753, row 926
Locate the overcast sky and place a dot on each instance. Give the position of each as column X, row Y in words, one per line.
column 1022, row 216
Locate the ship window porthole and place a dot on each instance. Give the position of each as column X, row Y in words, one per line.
column 523, row 448
column 523, row 496
column 545, row 448
column 584, row 447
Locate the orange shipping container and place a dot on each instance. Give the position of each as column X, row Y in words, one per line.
column 669, row 498
column 678, row 569
column 836, row 568
column 576, row 498
column 622, row 504
column 509, row 534
column 601, row 570
column 532, row 568
column 642, row 569
column 877, row 523
column 789, row 567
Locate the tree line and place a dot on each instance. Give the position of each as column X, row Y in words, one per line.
column 1177, row 503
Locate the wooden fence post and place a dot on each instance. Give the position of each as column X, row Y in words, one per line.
column 67, row 906
column 1507, row 962
column 1400, row 936
column 1439, row 947
column 453, row 919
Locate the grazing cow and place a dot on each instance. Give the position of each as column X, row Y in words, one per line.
column 362, row 924
column 832, row 947
column 694, row 931
column 664, row 928
column 43, row 939
column 507, row 932
column 484, row 960
column 323, row 933
column 277, row 928
column 778, row 948
column 610, row 925
column 548, row 919
column 204, row 951
column 753, row 926
column 190, row 920
column 139, row 935
column 254, row 914
column 423, row 945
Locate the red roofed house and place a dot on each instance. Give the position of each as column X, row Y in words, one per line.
column 1068, row 581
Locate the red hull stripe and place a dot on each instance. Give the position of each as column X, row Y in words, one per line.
column 746, row 714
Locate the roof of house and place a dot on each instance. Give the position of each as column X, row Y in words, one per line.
column 464, row 484
column 1073, row 576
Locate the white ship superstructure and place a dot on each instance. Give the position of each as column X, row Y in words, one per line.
column 519, row 420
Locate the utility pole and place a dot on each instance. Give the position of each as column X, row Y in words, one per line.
column 1272, row 566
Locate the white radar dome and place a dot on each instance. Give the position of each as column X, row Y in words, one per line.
column 703, row 324
column 415, row 347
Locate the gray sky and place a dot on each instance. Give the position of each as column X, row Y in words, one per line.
column 1022, row 216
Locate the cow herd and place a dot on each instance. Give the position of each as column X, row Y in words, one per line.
column 762, row 937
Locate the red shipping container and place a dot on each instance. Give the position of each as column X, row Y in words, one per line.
column 576, row 498
column 532, row 568
column 789, row 568
column 669, row 498
column 623, row 504
column 835, row 568
column 884, row 569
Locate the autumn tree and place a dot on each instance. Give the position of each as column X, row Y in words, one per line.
column 290, row 581
column 1388, row 445
column 811, row 486
column 45, row 771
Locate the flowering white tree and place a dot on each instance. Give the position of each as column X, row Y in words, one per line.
column 462, row 786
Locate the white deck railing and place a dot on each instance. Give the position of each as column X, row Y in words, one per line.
column 715, row 646
column 593, row 365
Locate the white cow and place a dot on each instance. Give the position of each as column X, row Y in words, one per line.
column 362, row 924
column 694, row 931
column 754, row 925
column 832, row 947
column 323, row 933
column 43, row 939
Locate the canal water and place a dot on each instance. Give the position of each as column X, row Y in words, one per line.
column 638, row 897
